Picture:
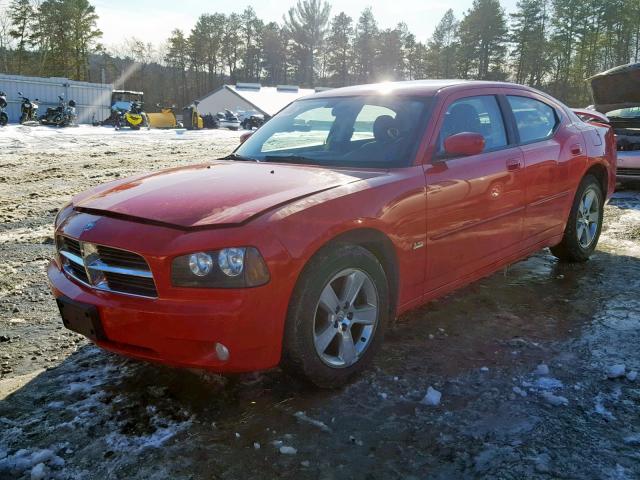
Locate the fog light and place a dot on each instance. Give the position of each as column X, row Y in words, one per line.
column 222, row 352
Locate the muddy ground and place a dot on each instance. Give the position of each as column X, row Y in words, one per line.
column 521, row 359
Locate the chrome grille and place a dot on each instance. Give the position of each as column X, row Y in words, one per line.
column 106, row 268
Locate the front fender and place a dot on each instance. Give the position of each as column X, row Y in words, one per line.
column 392, row 204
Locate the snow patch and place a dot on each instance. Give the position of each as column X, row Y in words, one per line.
column 432, row 397
column 542, row 369
column 555, row 400
column 616, row 371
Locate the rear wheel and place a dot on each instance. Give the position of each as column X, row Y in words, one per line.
column 585, row 223
column 337, row 316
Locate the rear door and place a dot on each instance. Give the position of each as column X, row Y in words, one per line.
column 549, row 146
column 475, row 204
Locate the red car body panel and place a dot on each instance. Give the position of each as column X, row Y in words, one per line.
column 446, row 223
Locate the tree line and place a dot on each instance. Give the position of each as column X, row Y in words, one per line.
column 554, row 45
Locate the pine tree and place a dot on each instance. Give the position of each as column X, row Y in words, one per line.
column 365, row 46
column 177, row 57
column 21, row 16
column 307, row 24
column 529, row 39
column 389, row 55
column 442, row 54
column 483, row 32
column 340, row 48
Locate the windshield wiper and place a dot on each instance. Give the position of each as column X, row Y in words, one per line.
column 241, row 158
column 290, row 159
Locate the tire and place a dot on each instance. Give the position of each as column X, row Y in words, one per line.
column 582, row 231
column 23, row 118
column 4, row 119
column 309, row 322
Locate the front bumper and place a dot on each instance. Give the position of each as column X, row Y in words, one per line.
column 182, row 326
column 184, row 333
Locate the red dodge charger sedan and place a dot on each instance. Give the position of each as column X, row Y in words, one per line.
column 346, row 209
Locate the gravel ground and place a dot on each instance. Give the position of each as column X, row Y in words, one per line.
column 522, row 361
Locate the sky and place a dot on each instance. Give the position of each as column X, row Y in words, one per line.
column 153, row 20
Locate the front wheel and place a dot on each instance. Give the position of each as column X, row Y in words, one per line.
column 337, row 316
column 585, row 223
column 4, row 119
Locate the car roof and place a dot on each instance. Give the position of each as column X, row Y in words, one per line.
column 412, row 87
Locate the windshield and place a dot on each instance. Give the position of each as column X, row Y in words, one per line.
column 378, row 131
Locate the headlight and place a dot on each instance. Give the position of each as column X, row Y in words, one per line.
column 63, row 214
column 235, row 267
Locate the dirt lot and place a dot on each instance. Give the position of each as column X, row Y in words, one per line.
column 521, row 359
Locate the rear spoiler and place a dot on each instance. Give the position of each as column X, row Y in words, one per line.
column 589, row 115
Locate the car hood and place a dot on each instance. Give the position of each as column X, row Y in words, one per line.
column 617, row 88
column 219, row 193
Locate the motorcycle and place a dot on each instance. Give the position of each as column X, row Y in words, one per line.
column 28, row 109
column 134, row 118
column 4, row 118
column 61, row 116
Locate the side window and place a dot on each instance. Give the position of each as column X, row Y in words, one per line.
column 535, row 120
column 479, row 114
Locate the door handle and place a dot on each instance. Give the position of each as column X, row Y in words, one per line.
column 514, row 164
column 576, row 149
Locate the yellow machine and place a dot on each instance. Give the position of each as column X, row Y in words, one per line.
column 192, row 118
column 165, row 118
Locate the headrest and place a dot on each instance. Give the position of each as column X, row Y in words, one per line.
column 463, row 118
column 385, row 129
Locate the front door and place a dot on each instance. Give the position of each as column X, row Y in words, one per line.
column 475, row 204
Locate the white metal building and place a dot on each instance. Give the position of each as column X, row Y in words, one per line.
column 93, row 100
column 244, row 97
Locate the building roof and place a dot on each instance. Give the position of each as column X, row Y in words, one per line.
column 268, row 100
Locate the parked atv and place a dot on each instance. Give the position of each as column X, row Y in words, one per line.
column 4, row 118
column 28, row 109
column 255, row 120
column 134, row 118
column 63, row 115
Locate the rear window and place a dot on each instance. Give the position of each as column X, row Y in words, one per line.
column 535, row 120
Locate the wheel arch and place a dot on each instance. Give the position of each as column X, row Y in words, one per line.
column 381, row 246
column 600, row 172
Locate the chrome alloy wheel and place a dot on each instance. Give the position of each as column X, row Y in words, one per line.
column 587, row 218
column 346, row 317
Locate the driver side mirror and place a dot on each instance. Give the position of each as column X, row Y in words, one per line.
column 244, row 137
column 464, row 144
